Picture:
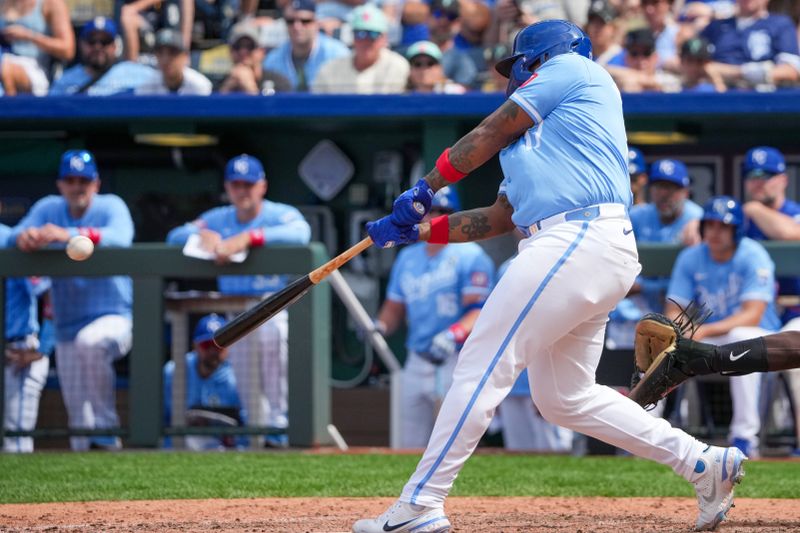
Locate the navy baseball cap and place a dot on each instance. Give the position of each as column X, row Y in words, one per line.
column 78, row 163
column 206, row 327
column 102, row 24
column 244, row 168
column 670, row 170
column 636, row 164
column 763, row 162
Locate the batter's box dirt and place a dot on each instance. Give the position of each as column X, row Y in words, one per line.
column 318, row 515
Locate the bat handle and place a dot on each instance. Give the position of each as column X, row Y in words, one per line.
column 334, row 264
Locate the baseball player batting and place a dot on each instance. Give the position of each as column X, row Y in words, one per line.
column 561, row 139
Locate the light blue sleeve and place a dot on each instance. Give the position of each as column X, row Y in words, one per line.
column 638, row 219
column 169, row 370
column 5, row 234
column 477, row 275
column 273, row 60
column 292, row 228
column 552, row 83
column 681, row 283
column 394, row 291
column 178, row 236
column 759, row 275
column 36, row 217
column 118, row 231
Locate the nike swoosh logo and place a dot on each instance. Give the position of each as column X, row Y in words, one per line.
column 735, row 357
column 387, row 527
column 627, row 231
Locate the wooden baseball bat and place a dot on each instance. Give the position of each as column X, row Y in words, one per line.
column 269, row 307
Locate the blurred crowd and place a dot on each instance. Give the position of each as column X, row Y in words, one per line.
column 197, row 47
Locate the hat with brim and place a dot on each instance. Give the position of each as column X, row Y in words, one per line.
column 243, row 30
column 169, row 38
column 369, row 18
column 763, row 162
column 99, row 24
column 426, row 48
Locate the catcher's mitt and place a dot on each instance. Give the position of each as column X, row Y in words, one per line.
column 662, row 352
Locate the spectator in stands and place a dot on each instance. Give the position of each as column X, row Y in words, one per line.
column 300, row 59
column 670, row 217
column 493, row 81
column 92, row 315
column 32, row 34
column 637, row 69
column 99, row 74
column 427, row 74
column 693, row 19
column 637, row 169
column 249, row 222
column 603, row 29
column 444, row 25
column 695, row 76
column 755, row 49
column 372, row 68
column 248, row 74
column 508, row 19
column 173, row 75
column 211, row 395
column 658, row 14
column 735, row 278
column 138, row 17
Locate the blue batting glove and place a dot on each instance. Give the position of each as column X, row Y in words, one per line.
column 386, row 234
column 409, row 208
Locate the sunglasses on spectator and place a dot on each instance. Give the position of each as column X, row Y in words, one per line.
column 366, row 34
column 423, row 63
column 244, row 44
column 102, row 41
column 438, row 13
column 305, row 22
column 640, row 52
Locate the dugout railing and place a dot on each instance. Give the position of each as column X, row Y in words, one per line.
column 149, row 265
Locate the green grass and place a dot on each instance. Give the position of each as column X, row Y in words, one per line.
column 50, row 477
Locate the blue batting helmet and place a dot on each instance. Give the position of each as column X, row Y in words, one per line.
column 536, row 44
column 205, row 328
column 78, row 163
column 726, row 210
column 446, row 198
column 636, row 164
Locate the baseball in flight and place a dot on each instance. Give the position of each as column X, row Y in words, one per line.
column 80, row 248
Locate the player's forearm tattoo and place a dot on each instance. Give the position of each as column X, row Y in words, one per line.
column 470, row 226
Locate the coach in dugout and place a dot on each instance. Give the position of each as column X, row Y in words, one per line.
column 98, row 73
column 92, row 315
column 251, row 221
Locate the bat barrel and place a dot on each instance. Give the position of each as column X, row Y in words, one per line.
column 261, row 312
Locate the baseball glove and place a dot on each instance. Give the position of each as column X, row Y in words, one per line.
column 662, row 354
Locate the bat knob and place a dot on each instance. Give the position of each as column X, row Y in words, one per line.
column 419, row 208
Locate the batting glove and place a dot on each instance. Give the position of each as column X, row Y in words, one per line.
column 758, row 72
column 445, row 344
column 385, row 233
column 409, row 208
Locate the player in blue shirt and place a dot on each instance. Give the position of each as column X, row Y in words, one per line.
column 637, row 168
column 26, row 366
column 735, row 277
column 563, row 152
column 755, row 48
column 99, row 74
column 211, row 396
column 92, row 315
column 252, row 221
column 437, row 291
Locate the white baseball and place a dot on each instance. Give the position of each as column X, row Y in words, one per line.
column 80, row 248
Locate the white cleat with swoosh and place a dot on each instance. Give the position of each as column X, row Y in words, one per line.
column 721, row 469
column 404, row 517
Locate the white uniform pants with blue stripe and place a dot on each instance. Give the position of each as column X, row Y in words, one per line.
column 548, row 313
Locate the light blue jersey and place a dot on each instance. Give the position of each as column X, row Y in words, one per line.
column 281, row 224
column 217, row 390
column 647, row 226
column 78, row 301
column 749, row 275
column 21, row 319
column 123, row 77
column 576, row 153
column 433, row 287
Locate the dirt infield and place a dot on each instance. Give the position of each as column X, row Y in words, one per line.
column 306, row 515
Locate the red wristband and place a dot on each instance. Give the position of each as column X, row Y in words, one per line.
column 92, row 233
column 440, row 230
column 459, row 333
column 256, row 237
column 446, row 168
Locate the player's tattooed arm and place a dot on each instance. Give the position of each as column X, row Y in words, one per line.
column 477, row 224
column 506, row 124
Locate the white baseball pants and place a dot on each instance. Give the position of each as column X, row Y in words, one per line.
column 524, row 429
column 548, row 313
column 424, row 386
column 23, row 388
column 86, row 374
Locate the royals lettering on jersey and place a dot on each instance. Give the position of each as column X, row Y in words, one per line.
column 576, row 153
column 77, row 301
column 723, row 287
column 281, row 224
column 433, row 287
column 738, row 41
